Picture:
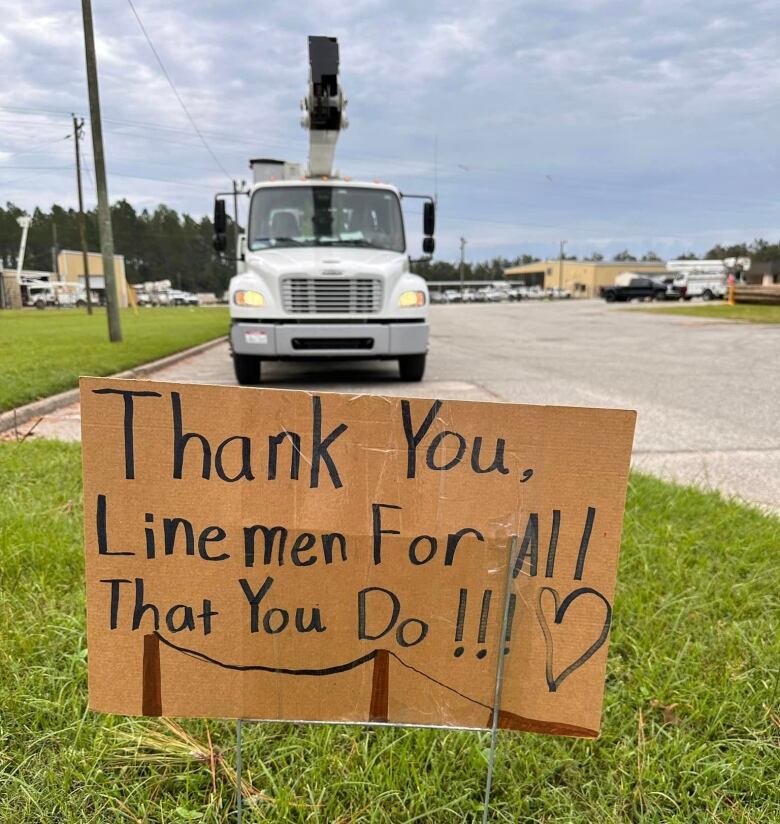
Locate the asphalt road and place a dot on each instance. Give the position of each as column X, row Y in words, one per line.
column 707, row 392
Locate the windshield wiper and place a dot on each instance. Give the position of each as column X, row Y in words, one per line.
column 351, row 242
column 276, row 241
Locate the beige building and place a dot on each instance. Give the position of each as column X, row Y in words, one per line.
column 581, row 277
column 10, row 290
column 71, row 268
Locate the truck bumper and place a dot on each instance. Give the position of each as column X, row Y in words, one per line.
column 273, row 341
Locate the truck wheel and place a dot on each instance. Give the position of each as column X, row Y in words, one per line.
column 707, row 294
column 412, row 367
column 609, row 297
column 40, row 304
column 247, row 369
column 81, row 303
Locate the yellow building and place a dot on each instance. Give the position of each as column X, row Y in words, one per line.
column 581, row 277
column 71, row 270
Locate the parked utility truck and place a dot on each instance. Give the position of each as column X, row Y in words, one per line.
column 323, row 269
column 706, row 279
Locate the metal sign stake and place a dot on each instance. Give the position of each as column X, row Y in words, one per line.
column 239, row 769
column 499, row 680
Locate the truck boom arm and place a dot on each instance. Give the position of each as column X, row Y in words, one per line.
column 324, row 105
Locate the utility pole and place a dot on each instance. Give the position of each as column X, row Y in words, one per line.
column 436, row 169
column 462, row 265
column 560, row 266
column 235, row 215
column 54, row 250
column 77, row 127
column 104, row 210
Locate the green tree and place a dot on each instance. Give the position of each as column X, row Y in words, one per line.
column 157, row 245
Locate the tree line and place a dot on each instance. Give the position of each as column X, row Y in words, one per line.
column 163, row 244
column 157, row 245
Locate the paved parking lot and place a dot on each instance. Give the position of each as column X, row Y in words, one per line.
column 707, row 392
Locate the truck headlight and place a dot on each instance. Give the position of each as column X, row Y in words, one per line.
column 409, row 299
column 247, row 297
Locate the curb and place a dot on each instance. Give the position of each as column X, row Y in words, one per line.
column 13, row 417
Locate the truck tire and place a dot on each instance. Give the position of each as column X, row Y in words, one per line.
column 609, row 297
column 412, row 367
column 707, row 294
column 247, row 369
column 40, row 304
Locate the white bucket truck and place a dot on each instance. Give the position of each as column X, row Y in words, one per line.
column 323, row 270
column 706, row 279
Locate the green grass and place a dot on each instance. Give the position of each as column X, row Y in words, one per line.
column 722, row 311
column 695, row 628
column 45, row 352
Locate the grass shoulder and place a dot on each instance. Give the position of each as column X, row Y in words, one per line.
column 42, row 353
column 690, row 718
column 744, row 312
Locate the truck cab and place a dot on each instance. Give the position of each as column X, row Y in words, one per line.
column 323, row 269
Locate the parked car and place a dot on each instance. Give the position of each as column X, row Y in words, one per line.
column 177, row 297
column 636, row 289
column 673, row 292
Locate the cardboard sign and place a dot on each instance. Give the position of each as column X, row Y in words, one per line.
column 289, row 555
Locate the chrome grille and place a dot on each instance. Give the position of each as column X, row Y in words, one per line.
column 344, row 296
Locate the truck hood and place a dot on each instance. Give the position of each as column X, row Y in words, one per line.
column 322, row 260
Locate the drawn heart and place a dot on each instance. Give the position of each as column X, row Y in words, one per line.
column 560, row 610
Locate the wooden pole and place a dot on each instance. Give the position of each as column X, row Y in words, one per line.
column 104, row 210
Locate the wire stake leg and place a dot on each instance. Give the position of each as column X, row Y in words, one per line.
column 239, row 770
column 499, row 679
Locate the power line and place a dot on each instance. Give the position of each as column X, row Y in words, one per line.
column 175, row 91
column 36, row 146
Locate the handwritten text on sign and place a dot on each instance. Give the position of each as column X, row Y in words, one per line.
column 290, row 555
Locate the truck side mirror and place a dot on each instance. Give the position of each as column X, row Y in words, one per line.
column 428, row 244
column 429, row 218
column 220, row 226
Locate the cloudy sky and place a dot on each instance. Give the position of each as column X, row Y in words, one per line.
column 606, row 123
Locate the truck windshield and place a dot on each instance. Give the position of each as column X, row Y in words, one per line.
column 284, row 216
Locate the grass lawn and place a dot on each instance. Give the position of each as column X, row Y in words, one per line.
column 722, row 311
column 45, row 352
column 691, row 728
